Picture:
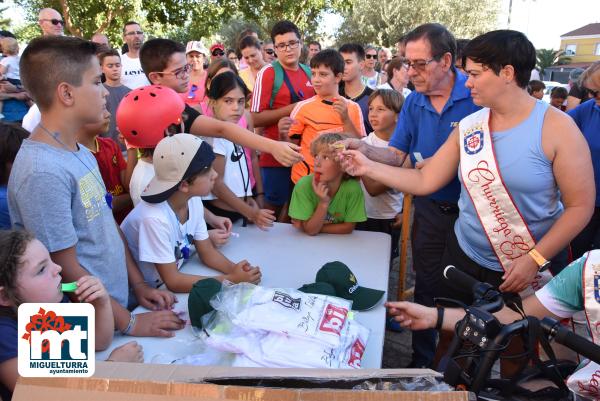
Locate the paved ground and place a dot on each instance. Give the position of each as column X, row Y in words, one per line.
column 397, row 351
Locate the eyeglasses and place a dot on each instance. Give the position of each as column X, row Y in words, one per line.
column 270, row 52
column 594, row 93
column 418, row 65
column 218, row 53
column 292, row 44
column 55, row 21
column 134, row 33
column 179, row 73
column 370, row 56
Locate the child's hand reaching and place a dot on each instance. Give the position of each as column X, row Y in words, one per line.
column 128, row 352
column 321, row 190
column 341, row 107
column 263, row 218
column 90, row 289
column 244, row 272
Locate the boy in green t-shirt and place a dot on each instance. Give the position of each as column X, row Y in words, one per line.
column 328, row 201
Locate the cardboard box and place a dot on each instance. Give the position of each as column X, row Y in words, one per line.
column 127, row 381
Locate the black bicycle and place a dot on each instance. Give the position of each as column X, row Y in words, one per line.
column 480, row 338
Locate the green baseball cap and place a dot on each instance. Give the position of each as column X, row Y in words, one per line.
column 199, row 299
column 346, row 286
column 318, row 288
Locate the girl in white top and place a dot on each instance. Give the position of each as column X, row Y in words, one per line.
column 382, row 203
column 232, row 194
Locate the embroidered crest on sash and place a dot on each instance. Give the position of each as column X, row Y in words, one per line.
column 473, row 142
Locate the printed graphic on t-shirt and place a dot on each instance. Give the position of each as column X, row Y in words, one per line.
column 287, row 301
column 333, row 319
column 92, row 196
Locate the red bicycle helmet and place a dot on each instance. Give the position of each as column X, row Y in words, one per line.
column 145, row 113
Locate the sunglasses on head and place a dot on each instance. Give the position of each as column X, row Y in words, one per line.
column 373, row 56
column 55, row 21
column 218, row 53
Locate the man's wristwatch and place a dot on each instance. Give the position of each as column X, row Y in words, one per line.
column 541, row 261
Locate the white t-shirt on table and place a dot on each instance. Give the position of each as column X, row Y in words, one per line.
column 154, row 235
column 388, row 204
column 132, row 75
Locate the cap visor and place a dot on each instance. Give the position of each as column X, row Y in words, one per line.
column 159, row 191
column 364, row 298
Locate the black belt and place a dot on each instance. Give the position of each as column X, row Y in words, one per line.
column 446, row 207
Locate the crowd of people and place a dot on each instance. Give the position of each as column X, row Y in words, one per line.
column 126, row 162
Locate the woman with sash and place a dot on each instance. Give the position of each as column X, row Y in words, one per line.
column 527, row 185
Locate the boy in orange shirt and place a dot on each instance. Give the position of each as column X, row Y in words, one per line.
column 326, row 112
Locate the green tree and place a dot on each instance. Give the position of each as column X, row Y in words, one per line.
column 548, row 57
column 4, row 22
column 384, row 22
column 83, row 18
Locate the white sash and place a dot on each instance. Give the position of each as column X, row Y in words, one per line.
column 586, row 381
column 503, row 224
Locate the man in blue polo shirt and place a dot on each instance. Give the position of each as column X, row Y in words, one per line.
column 429, row 115
column 587, row 118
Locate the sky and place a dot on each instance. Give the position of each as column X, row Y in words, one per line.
column 543, row 21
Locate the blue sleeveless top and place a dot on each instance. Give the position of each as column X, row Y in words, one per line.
column 527, row 174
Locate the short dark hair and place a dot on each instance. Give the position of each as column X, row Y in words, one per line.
column 125, row 25
column 11, row 138
column 225, row 83
column 355, row 48
column 214, row 67
column 460, row 49
column 283, row 27
column 497, row 49
column 108, row 53
column 439, row 38
column 6, row 34
column 329, row 58
column 13, row 244
column 249, row 41
column 394, row 64
column 75, row 57
column 559, row 92
column 391, row 99
column 314, row 42
column 155, row 54
column 535, row 86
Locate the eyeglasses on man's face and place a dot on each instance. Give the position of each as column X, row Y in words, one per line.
column 218, row 53
column 179, row 73
column 270, row 52
column 133, row 33
column 292, row 44
column 371, row 56
column 55, row 21
column 417, row 65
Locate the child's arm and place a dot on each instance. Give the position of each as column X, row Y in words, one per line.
column 286, row 153
column 315, row 223
column 373, row 187
column 131, row 162
column 338, row 228
column 268, row 117
column 152, row 324
column 263, row 218
column 9, row 373
column 214, row 259
column 91, row 290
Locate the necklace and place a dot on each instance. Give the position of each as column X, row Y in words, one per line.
column 108, row 196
